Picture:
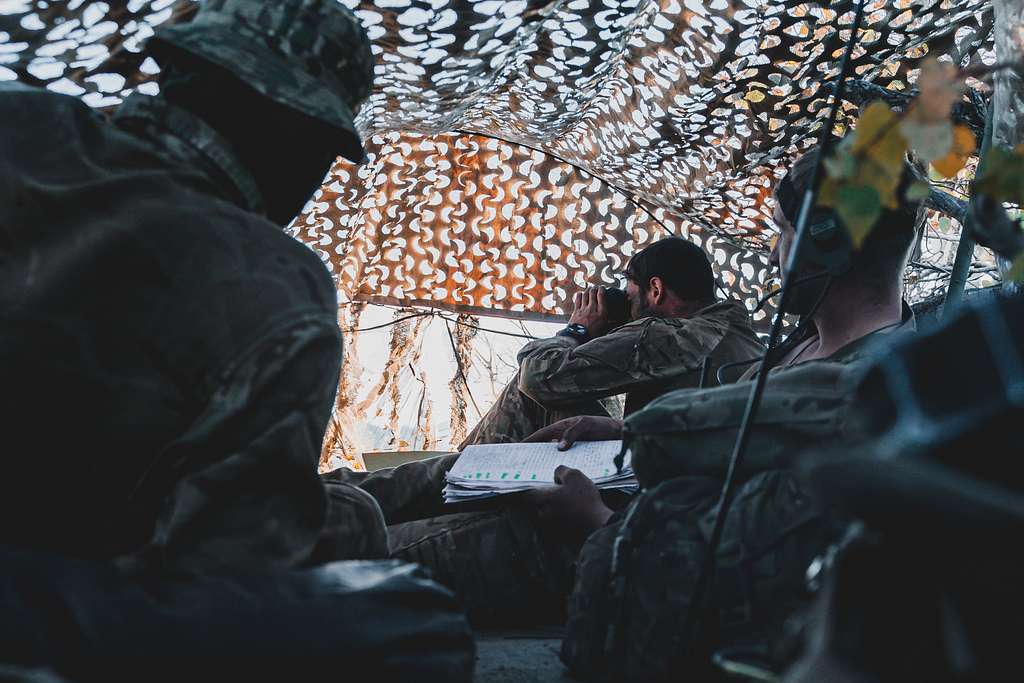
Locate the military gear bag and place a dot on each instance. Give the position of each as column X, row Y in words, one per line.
column 92, row 622
column 636, row 577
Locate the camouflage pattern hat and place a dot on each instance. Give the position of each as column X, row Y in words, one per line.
column 310, row 55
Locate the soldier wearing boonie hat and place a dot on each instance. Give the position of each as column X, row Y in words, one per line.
column 147, row 282
column 311, row 55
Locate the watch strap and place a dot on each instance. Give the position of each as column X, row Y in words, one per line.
column 576, row 331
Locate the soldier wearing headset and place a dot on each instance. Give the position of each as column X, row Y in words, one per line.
column 846, row 298
column 851, row 305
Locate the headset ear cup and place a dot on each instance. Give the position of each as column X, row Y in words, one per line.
column 829, row 245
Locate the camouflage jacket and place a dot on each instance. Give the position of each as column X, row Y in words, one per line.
column 643, row 359
column 692, row 432
column 174, row 354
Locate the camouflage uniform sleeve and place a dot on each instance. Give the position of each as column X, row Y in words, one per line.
column 560, row 370
column 240, row 490
column 692, row 431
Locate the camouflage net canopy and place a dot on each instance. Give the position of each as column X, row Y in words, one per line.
column 523, row 149
column 519, row 150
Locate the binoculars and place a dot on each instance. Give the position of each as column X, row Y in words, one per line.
column 617, row 304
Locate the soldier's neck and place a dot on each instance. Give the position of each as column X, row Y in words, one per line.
column 848, row 315
column 186, row 138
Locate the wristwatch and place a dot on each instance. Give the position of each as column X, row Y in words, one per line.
column 576, row 331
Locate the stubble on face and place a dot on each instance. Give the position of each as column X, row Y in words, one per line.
column 638, row 306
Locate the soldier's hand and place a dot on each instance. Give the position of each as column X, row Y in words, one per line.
column 589, row 310
column 573, row 507
column 581, row 428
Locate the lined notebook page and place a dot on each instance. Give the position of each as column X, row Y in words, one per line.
column 534, row 463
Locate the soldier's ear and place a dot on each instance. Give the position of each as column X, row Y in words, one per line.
column 656, row 288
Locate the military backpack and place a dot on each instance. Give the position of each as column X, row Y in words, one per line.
column 636, row 578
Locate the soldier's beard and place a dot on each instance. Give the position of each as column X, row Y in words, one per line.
column 639, row 308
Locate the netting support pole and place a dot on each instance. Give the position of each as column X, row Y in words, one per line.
column 1004, row 126
column 965, row 248
column 961, row 270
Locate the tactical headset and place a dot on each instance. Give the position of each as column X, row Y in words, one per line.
column 827, row 244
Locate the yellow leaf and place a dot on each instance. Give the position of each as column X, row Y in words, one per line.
column 840, row 165
column 883, row 177
column 963, row 147
column 754, row 96
column 878, row 136
column 827, row 193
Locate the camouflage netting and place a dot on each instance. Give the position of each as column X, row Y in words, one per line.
column 520, row 149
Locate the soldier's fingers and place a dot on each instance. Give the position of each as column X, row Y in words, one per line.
column 570, row 477
column 564, row 473
column 549, row 433
column 553, row 432
column 600, row 299
column 569, row 435
column 582, row 429
column 577, row 300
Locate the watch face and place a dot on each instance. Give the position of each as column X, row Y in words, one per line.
column 575, row 330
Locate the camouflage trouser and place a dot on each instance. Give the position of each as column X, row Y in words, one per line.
column 514, row 416
column 491, row 553
column 408, row 492
column 501, row 567
column 354, row 528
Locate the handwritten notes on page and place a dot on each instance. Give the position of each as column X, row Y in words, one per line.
column 494, row 469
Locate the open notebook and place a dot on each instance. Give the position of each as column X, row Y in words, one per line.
column 494, row 469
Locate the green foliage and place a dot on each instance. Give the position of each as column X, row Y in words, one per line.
column 1002, row 177
column 1016, row 273
column 859, row 207
column 918, row 192
column 863, row 174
